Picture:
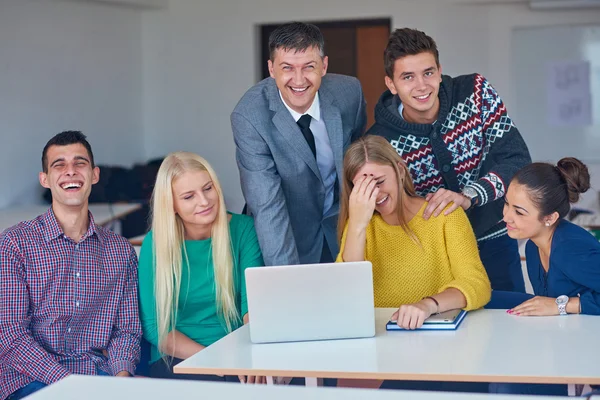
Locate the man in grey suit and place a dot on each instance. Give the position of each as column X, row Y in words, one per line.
column 291, row 131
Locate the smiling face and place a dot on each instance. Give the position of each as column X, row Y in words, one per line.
column 417, row 81
column 69, row 175
column 387, row 199
column 298, row 76
column 195, row 200
column 522, row 217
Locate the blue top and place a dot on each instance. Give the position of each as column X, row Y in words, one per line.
column 574, row 267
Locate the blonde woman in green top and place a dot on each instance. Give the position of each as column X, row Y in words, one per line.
column 191, row 267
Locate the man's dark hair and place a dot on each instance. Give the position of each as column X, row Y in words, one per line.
column 296, row 36
column 64, row 139
column 407, row 42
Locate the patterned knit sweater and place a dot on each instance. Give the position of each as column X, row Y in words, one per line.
column 404, row 272
column 472, row 143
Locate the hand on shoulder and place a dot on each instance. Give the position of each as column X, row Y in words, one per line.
column 445, row 201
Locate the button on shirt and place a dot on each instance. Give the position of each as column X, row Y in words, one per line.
column 62, row 303
column 325, row 160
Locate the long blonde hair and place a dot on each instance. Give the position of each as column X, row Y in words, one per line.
column 375, row 149
column 169, row 244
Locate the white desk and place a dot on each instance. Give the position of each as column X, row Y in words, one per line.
column 489, row 346
column 103, row 213
column 78, row 387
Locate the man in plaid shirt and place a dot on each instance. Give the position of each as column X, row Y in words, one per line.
column 68, row 288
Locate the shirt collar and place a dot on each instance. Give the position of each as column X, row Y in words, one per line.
column 314, row 110
column 400, row 109
column 52, row 229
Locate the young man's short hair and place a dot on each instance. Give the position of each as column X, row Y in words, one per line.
column 296, row 36
column 64, row 139
column 407, row 42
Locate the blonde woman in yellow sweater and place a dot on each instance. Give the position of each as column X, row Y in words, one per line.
column 421, row 266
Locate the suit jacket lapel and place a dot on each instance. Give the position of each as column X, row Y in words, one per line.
column 333, row 122
column 290, row 130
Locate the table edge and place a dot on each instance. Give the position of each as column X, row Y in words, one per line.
column 389, row 375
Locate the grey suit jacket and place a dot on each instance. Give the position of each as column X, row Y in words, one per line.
column 280, row 179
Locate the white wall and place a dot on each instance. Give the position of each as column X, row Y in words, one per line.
column 506, row 19
column 66, row 65
column 200, row 57
column 142, row 83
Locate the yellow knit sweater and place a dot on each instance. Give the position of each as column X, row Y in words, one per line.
column 447, row 257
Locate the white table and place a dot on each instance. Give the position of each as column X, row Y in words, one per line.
column 103, row 213
column 489, row 346
column 78, row 387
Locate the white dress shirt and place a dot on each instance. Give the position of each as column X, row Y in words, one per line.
column 325, row 160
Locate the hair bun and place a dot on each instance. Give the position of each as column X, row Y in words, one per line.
column 576, row 175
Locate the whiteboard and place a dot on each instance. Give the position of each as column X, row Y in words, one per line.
column 533, row 51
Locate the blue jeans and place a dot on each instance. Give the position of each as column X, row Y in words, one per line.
column 27, row 390
column 501, row 259
column 35, row 386
column 542, row 389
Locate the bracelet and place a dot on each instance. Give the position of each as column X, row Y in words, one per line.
column 436, row 303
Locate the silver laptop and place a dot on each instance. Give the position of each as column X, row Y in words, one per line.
column 310, row 302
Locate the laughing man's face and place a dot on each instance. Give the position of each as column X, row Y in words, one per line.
column 298, row 76
column 70, row 175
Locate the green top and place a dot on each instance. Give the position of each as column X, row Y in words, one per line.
column 197, row 315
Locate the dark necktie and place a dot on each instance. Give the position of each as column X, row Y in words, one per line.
column 304, row 124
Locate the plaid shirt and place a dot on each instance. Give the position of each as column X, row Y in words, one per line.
column 62, row 303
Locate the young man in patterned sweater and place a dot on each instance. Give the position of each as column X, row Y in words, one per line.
column 460, row 145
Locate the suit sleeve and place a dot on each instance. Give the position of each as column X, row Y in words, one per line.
column 261, row 185
column 508, row 152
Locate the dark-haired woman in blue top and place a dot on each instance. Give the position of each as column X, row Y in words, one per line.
column 563, row 259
